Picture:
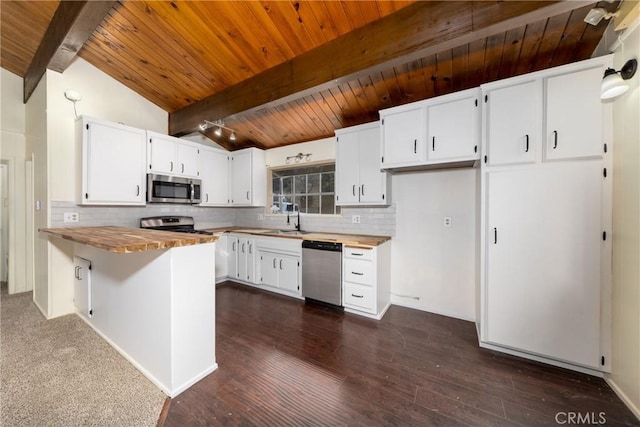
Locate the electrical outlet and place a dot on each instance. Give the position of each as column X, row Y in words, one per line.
column 447, row 221
column 355, row 219
column 71, row 217
column 260, row 217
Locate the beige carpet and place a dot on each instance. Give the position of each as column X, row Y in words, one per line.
column 59, row 372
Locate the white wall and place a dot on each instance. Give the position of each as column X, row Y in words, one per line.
column 12, row 153
column 433, row 266
column 321, row 150
column 625, row 370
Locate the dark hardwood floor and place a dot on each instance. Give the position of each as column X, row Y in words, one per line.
column 283, row 362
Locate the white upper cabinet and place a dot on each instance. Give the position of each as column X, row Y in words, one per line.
column 248, row 177
column 403, row 133
column 172, row 156
column 452, row 126
column 574, row 114
column 512, row 122
column 214, row 172
column 110, row 159
column 432, row 132
column 359, row 180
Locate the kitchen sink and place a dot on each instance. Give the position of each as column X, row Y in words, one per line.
column 288, row 232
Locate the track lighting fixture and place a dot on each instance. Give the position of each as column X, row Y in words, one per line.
column 597, row 14
column 219, row 125
column 613, row 82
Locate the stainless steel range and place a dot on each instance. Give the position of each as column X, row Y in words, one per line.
column 182, row 224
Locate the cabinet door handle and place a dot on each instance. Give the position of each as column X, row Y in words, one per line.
column 362, row 189
column 353, row 190
column 357, row 274
column 415, row 146
column 233, row 247
column 247, row 195
column 526, row 149
column 171, row 167
column 207, row 196
column 274, row 263
column 433, row 144
column 280, row 264
column 77, row 272
column 182, row 164
column 495, row 236
column 250, row 248
column 243, row 248
column 356, row 254
column 137, row 190
column 555, row 139
column 357, row 296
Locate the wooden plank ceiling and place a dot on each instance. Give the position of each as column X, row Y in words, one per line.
column 179, row 53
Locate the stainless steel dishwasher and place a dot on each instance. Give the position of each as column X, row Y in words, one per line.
column 322, row 271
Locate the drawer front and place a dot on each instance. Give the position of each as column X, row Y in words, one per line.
column 357, row 271
column 358, row 253
column 359, row 297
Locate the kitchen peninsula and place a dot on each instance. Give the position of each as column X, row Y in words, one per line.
column 151, row 295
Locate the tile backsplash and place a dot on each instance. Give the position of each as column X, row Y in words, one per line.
column 379, row 221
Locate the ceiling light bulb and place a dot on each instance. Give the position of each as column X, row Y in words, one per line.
column 203, row 126
column 218, row 131
column 232, row 137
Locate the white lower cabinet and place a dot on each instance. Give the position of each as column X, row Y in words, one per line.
column 222, row 258
column 232, row 247
column 278, row 264
column 544, row 245
column 246, row 260
column 82, row 286
column 366, row 279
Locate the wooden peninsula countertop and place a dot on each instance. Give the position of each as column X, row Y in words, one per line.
column 126, row 240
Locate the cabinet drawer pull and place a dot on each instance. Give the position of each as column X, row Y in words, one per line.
column 357, row 274
column 415, row 146
column 555, row 139
column 433, row 144
column 526, row 149
column 357, row 296
column 356, row 254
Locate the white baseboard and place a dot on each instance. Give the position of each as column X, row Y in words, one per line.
column 622, row 395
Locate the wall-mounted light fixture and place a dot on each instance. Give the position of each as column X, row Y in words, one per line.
column 298, row 158
column 73, row 96
column 597, row 14
column 219, row 125
column 613, row 82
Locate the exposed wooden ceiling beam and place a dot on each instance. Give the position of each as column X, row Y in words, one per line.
column 419, row 30
column 71, row 26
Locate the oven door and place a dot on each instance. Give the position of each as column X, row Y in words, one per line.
column 171, row 189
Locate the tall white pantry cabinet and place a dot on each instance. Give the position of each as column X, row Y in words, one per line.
column 545, row 213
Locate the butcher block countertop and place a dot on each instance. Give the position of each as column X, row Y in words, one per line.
column 126, row 240
column 345, row 239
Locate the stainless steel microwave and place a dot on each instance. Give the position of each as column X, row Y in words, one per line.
column 172, row 189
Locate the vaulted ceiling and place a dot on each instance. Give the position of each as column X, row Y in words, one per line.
column 283, row 72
